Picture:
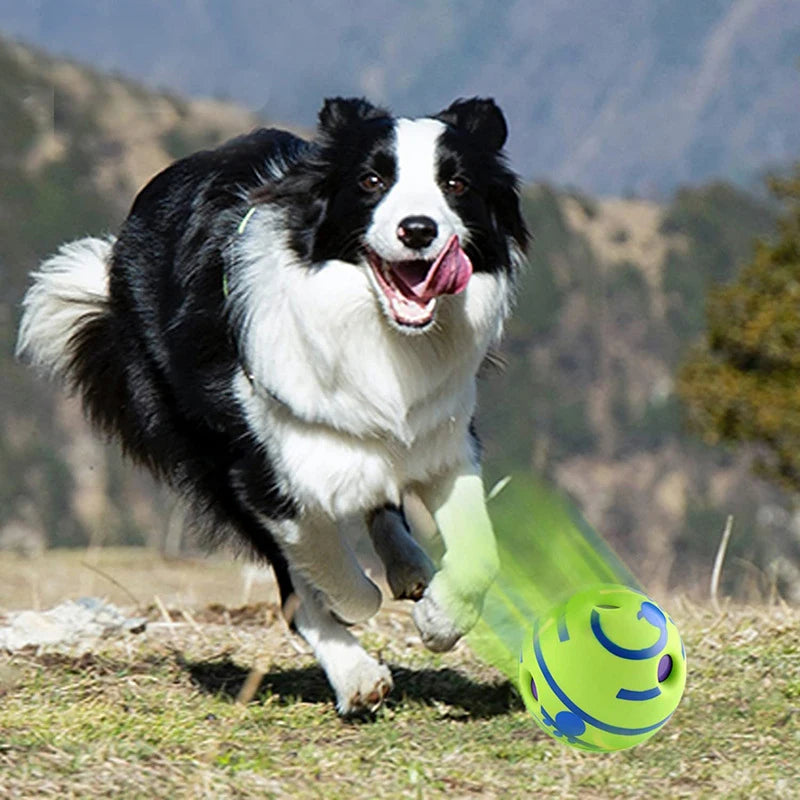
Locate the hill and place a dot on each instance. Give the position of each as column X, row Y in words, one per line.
column 614, row 98
column 75, row 148
column 613, row 295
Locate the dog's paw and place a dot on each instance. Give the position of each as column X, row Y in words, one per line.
column 362, row 686
column 409, row 579
column 436, row 627
column 408, row 568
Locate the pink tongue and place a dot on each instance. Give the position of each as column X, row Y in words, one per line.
column 449, row 274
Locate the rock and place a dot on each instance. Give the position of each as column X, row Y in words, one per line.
column 68, row 623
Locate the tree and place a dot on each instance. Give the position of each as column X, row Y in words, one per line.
column 742, row 384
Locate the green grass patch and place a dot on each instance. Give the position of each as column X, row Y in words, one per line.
column 156, row 716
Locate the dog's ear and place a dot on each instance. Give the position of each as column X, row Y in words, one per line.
column 338, row 112
column 478, row 116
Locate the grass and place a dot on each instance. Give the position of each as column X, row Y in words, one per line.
column 155, row 715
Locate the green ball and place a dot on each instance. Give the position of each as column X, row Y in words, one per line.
column 603, row 671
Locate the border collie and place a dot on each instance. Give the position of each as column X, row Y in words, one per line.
column 288, row 332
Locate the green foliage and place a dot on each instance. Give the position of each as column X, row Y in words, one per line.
column 719, row 224
column 39, row 209
column 16, row 87
column 627, row 280
column 560, row 263
column 588, row 204
column 571, row 427
column 36, row 484
column 178, row 142
column 626, row 295
column 508, row 435
column 660, row 422
column 538, row 297
column 743, row 383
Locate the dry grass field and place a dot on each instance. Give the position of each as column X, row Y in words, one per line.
column 155, row 714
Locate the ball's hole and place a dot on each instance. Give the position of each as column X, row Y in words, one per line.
column 664, row 668
column 533, row 690
column 607, row 606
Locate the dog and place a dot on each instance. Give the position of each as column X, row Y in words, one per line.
column 288, row 332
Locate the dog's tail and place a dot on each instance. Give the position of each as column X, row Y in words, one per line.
column 67, row 328
column 69, row 291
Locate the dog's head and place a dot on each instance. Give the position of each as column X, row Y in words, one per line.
column 420, row 204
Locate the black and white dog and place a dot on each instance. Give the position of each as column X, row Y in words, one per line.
column 289, row 333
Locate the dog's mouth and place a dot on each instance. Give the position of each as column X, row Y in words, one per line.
column 411, row 288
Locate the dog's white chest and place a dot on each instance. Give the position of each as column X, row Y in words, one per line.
column 349, row 410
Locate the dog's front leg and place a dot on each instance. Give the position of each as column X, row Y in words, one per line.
column 452, row 603
column 408, row 568
column 316, row 549
column 360, row 681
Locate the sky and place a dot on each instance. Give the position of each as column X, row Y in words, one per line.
column 619, row 97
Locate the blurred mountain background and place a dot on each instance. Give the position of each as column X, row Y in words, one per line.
column 619, row 97
column 642, row 135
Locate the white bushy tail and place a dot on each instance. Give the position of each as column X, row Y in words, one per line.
column 70, row 288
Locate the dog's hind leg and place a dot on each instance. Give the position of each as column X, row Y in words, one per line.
column 408, row 568
column 360, row 681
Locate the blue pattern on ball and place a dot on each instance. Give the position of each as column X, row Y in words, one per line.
column 636, row 694
column 558, row 691
column 571, row 724
column 563, row 631
column 653, row 615
column 568, row 725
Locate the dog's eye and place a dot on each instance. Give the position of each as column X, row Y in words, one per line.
column 372, row 182
column 455, row 186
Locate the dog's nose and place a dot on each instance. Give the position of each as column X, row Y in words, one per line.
column 417, row 232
